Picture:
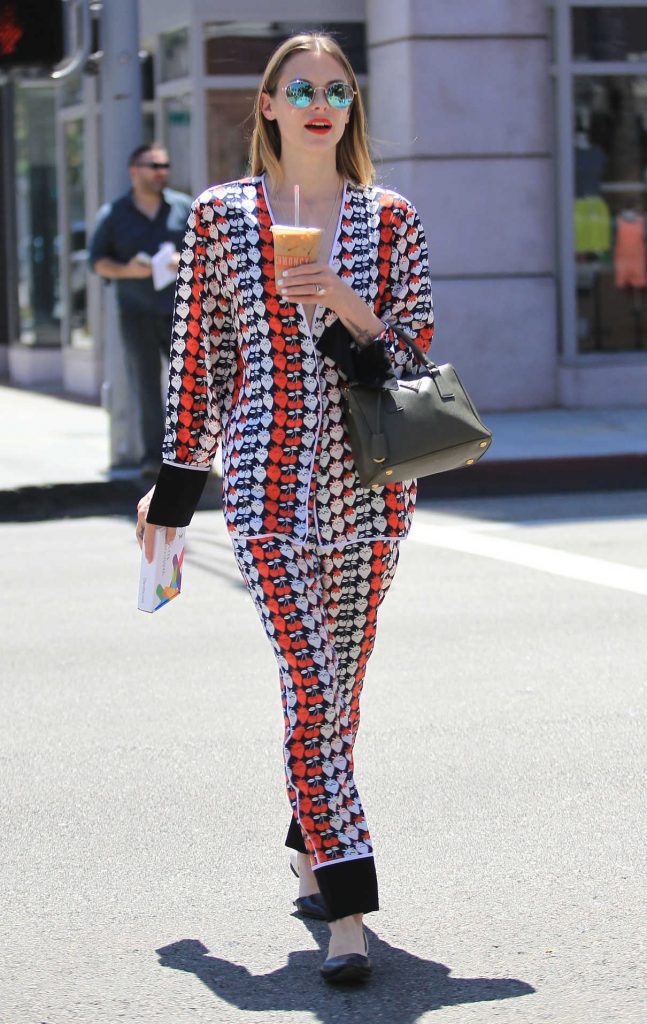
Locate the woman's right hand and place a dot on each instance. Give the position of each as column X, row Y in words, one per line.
column 145, row 532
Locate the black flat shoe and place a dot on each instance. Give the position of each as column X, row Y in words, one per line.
column 312, row 906
column 348, row 969
column 309, row 906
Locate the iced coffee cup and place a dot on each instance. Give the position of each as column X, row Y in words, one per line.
column 294, row 246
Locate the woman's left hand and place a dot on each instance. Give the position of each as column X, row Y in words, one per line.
column 318, row 284
column 145, row 531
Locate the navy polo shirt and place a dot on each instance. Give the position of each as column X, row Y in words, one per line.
column 122, row 231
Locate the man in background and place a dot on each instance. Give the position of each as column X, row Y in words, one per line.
column 129, row 231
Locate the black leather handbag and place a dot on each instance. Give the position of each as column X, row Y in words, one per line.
column 416, row 427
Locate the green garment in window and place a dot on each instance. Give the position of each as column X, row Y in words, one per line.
column 592, row 225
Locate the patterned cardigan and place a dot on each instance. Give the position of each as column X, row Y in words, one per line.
column 248, row 373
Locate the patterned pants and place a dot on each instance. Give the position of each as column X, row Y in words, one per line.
column 319, row 610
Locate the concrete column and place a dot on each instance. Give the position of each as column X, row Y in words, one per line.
column 462, row 122
column 121, row 131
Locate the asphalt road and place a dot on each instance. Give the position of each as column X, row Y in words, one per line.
column 501, row 760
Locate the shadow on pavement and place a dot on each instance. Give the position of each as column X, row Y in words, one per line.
column 554, row 475
column 79, row 500
column 403, row 988
column 545, row 509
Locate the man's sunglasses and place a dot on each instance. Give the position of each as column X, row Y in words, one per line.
column 301, row 93
column 155, row 166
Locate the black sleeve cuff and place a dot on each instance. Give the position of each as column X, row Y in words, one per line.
column 368, row 365
column 335, row 342
column 372, row 365
column 177, row 493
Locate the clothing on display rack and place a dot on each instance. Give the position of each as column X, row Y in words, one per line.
column 590, row 163
column 592, row 225
column 629, row 255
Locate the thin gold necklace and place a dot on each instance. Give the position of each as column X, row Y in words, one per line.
column 276, row 203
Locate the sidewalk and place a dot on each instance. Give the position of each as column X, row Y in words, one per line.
column 554, row 450
column 54, row 457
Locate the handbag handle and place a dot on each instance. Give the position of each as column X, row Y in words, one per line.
column 412, row 345
column 378, row 444
column 434, row 371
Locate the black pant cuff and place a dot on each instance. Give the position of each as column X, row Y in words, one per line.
column 348, row 887
column 294, row 839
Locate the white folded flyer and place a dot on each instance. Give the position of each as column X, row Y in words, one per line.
column 164, row 272
column 161, row 580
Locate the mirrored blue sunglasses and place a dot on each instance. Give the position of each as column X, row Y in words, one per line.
column 301, row 93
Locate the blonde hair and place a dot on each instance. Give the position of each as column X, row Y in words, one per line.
column 353, row 157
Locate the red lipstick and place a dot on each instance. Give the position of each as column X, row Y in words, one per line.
column 319, row 125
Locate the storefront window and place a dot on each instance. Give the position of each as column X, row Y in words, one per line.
column 174, row 55
column 71, row 91
column 76, row 228
column 36, row 213
column 241, row 48
column 229, row 129
column 609, row 33
column 177, row 139
column 610, row 121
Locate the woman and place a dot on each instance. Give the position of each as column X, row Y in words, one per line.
column 258, row 366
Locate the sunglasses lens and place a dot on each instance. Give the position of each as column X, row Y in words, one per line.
column 299, row 94
column 339, row 95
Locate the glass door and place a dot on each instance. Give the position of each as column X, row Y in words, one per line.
column 76, row 248
column 229, row 128
column 36, row 215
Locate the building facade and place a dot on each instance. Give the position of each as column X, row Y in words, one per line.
column 517, row 127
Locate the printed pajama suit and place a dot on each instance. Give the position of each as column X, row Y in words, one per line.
column 316, row 550
column 319, row 610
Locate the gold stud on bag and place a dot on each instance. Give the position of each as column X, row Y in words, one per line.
column 427, row 425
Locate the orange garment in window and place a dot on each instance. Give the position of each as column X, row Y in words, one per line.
column 629, row 258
